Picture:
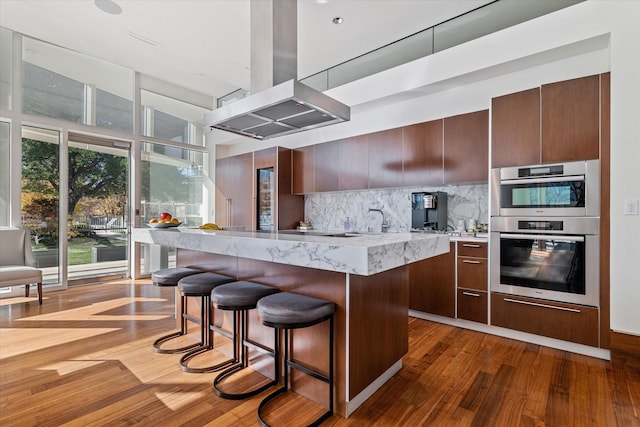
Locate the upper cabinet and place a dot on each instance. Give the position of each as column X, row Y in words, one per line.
column 326, row 168
column 303, row 169
column 571, row 120
column 466, row 148
column 515, row 129
column 385, row 158
column 557, row 122
column 353, row 159
column 422, row 153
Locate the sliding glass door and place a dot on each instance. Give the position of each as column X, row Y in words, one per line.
column 75, row 203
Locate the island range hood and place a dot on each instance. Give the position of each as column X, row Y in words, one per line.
column 279, row 104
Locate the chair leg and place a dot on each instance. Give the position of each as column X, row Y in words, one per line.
column 183, row 331
column 207, row 340
column 244, row 363
column 27, row 288
column 40, row 293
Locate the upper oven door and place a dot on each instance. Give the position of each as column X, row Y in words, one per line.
column 570, row 189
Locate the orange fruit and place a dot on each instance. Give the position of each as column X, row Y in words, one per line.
column 153, row 221
column 175, row 221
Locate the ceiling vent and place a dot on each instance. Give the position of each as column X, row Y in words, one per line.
column 279, row 104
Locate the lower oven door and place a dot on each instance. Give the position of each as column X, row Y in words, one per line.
column 554, row 267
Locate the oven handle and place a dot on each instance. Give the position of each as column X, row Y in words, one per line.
column 537, row 304
column 542, row 180
column 542, row 236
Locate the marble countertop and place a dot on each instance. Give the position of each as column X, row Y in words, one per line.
column 362, row 254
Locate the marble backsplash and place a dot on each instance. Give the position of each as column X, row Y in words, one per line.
column 330, row 211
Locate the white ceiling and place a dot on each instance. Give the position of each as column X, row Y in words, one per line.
column 204, row 45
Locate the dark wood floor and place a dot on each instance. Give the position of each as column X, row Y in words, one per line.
column 84, row 358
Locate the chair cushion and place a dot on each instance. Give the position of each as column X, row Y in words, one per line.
column 16, row 275
column 240, row 295
column 288, row 310
column 202, row 284
column 171, row 276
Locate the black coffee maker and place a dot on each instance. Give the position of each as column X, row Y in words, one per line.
column 429, row 211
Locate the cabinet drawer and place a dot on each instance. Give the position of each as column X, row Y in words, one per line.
column 472, row 305
column 474, row 249
column 472, row 273
column 567, row 322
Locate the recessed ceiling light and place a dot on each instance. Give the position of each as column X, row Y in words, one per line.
column 337, row 20
column 108, row 6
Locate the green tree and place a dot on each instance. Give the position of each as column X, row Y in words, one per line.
column 92, row 174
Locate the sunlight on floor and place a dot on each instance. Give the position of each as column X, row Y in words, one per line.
column 70, row 366
column 16, row 341
column 93, row 312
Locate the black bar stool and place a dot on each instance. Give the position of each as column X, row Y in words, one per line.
column 201, row 285
column 286, row 310
column 169, row 277
column 240, row 297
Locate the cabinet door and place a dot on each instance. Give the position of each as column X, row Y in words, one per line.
column 567, row 322
column 472, row 305
column 570, row 120
column 354, row 163
column 472, row 273
column 289, row 207
column 385, row 158
column 515, row 129
column 327, row 166
column 422, row 153
column 303, row 170
column 432, row 284
column 234, row 191
column 466, row 148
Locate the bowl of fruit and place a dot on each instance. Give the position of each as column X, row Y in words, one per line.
column 164, row 220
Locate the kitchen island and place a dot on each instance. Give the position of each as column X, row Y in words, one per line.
column 365, row 275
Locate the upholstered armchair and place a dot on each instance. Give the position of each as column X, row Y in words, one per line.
column 17, row 264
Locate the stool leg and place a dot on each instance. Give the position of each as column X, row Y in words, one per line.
column 207, row 341
column 244, row 362
column 290, row 363
column 183, row 330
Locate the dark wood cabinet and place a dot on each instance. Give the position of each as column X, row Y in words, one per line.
column 234, row 195
column 515, row 129
column 237, row 186
column 466, row 148
column 557, row 122
column 472, row 281
column 566, row 322
column 422, row 153
column 304, row 170
column 472, row 305
column 571, row 120
column 432, row 284
column 385, row 158
column 353, row 159
column 327, row 166
column 289, row 206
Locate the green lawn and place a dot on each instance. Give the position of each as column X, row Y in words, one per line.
column 80, row 248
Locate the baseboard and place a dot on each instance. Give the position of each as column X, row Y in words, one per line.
column 623, row 344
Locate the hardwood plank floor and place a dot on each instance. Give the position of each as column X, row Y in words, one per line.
column 84, row 358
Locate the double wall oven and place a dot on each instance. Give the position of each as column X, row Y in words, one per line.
column 545, row 240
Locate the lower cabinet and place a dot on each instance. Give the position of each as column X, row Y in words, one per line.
column 566, row 322
column 472, row 281
column 472, row 305
column 432, row 284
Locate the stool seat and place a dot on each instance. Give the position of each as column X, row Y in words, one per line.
column 287, row 310
column 240, row 295
column 201, row 284
column 171, row 276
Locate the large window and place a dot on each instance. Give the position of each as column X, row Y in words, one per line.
column 167, row 118
column 5, row 174
column 5, row 68
column 62, row 84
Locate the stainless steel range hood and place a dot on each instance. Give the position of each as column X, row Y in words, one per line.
column 279, row 104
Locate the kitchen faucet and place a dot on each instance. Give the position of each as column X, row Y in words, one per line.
column 385, row 226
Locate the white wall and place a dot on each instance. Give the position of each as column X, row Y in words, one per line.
column 589, row 38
